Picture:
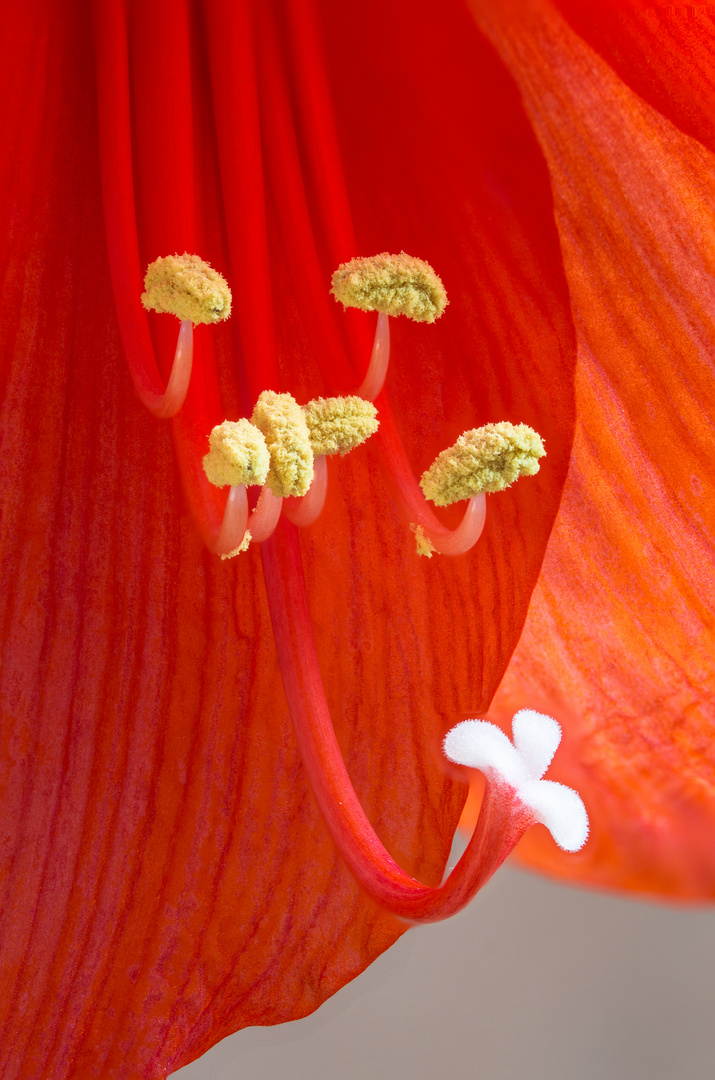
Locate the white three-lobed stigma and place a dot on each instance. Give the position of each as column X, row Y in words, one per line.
column 521, row 764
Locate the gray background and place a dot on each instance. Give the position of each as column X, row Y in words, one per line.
column 534, row 981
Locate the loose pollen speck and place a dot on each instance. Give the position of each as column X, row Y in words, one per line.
column 337, row 425
column 186, row 286
column 422, row 541
column 283, row 423
column 489, row 458
column 243, row 546
column 393, row 284
column 238, row 455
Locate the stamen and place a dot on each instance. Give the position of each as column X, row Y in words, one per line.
column 337, row 425
column 186, row 286
column 393, row 284
column 520, row 766
column 489, row 458
column 238, row 455
column 283, row 423
column 376, row 373
column 304, row 511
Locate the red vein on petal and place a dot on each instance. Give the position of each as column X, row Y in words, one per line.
column 231, row 45
column 115, row 147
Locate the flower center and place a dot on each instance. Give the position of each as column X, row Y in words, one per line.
column 284, row 448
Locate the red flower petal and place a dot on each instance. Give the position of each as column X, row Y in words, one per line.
column 662, row 51
column 166, row 876
column 619, row 641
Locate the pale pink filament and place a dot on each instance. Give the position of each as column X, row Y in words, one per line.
column 264, row 518
column 307, row 509
column 233, row 526
column 374, row 379
column 445, row 541
column 178, row 384
column 455, row 541
column 236, row 520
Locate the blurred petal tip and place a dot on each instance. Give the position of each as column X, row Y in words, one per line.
column 520, row 764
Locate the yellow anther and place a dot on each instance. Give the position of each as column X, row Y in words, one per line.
column 243, row 546
column 489, row 458
column 337, row 425
column 395, row 284
column 282, row 421
column 422, row 541
column 186, row 286
column 238, row 455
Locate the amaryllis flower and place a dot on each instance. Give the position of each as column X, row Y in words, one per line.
column 167, row 874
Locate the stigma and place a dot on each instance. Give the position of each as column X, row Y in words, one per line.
column 519, row 766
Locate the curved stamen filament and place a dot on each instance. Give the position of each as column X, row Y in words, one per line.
column 264, row 518
column 453, row 541
column 173, row 398
column 235, row 518
column 236, row 521
column 307, row 509
column 444, row 540
column 503, row 818
column 115, row 152
column 376, row 373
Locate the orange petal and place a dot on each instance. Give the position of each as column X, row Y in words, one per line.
column 619, row 640
column 662, row 51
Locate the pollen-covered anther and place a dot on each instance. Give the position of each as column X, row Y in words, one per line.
column 283, row 423
column 186, row 286
column 488, row 458
column 520, row 766
column 393, row 284
column 238, row 455
column 337, row 425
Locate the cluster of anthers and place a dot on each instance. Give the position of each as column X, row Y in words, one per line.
column 283, row 449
